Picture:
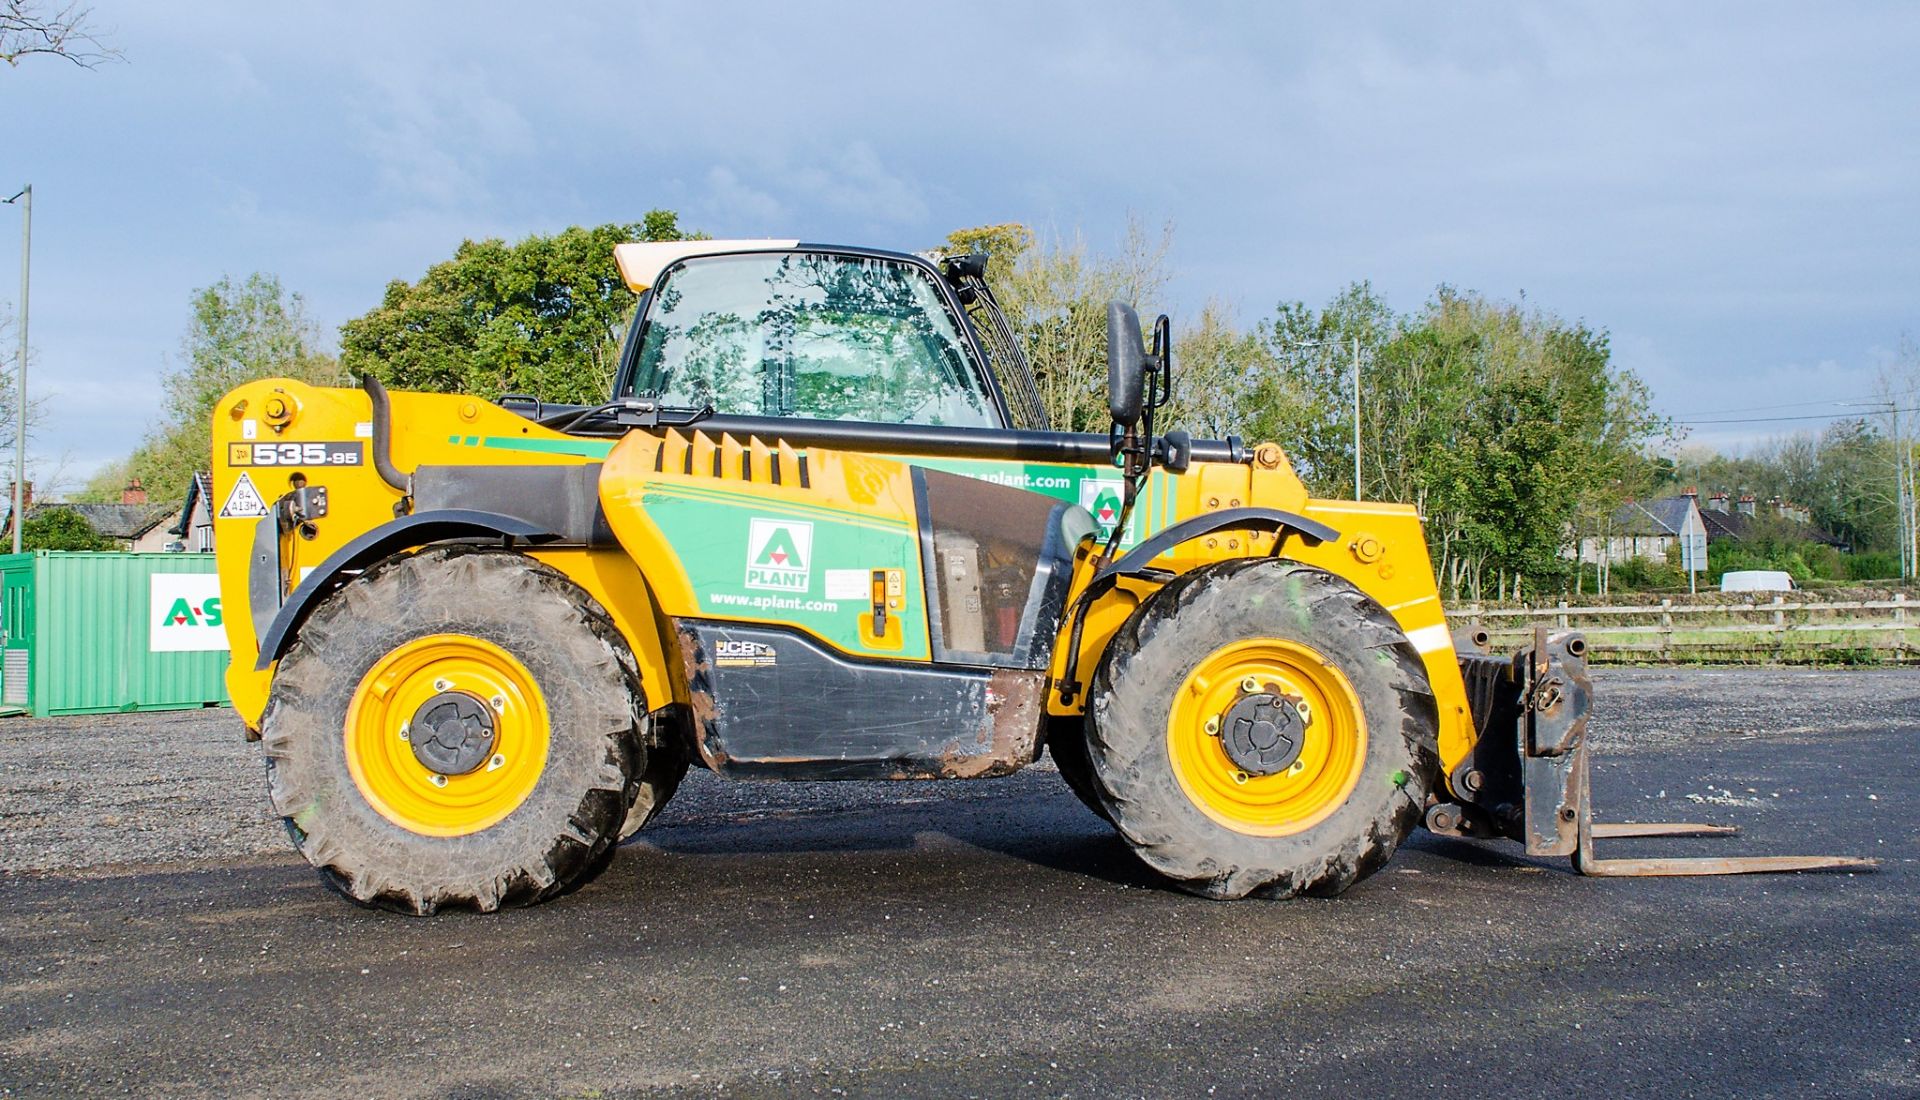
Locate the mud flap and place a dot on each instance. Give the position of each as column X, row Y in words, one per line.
column 1528, row 776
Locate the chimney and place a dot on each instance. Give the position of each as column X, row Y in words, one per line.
column 1717, row 502
column 1691, row 491
column 133, row 493
column 1746, row 504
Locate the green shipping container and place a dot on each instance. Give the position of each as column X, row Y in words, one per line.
column 92, row 633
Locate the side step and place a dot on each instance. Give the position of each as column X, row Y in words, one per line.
column 1527, row 777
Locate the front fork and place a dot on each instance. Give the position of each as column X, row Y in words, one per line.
column 1528, row 776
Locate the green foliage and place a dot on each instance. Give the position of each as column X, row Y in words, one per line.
column 62, row 529
column 1055, row 295
column 1843, row 476
column 544, row 316
column 1509, row 428
column 1642, row 574
column 239, row 332
column 1876, row 565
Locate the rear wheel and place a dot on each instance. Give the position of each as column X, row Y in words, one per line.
column 460, row 727
column 1262, row 727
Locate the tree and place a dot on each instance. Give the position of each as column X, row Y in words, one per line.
column 62, row 529
column 1055, row 295
column 1503, row 425
column 28, row 28
column 240, row 332
column 544, row 316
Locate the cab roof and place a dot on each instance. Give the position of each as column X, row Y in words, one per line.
column 641, row 262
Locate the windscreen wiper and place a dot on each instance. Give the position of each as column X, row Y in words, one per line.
column 630, row 412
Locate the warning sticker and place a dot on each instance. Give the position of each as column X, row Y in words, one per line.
column 849, row 584
column 244, row 502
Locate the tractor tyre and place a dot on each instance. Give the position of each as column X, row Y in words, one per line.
column 1262, row 727
column 459, row 727
column 1067, row 744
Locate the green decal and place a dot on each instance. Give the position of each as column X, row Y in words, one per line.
column 1098, row 489
column 809, row 568
column 581, row 448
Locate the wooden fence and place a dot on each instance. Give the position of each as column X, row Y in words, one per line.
column 1773, row 628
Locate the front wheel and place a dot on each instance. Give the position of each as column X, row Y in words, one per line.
column 460, row 727
column 1262, row 727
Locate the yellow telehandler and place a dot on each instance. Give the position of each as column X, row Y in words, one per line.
column 821, row 529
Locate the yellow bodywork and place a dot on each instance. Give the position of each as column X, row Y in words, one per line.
column 268, row 431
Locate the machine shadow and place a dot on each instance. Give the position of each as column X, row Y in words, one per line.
column 1042, row 825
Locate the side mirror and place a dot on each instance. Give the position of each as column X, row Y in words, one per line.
column 1126, row 364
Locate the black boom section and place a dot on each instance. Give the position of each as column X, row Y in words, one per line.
column 562, row 499
column 773, row 703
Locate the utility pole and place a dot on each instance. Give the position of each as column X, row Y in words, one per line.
column 1356, row 418
column 25, row 199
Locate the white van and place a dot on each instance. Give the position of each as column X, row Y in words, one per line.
column 1756, row 580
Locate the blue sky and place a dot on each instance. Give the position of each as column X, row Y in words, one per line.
column 1733, row 191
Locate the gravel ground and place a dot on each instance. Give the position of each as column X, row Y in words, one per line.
column 131, row 791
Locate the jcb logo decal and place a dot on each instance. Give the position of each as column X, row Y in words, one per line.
column 779, row 555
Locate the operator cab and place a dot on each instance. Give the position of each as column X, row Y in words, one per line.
column 776, row 329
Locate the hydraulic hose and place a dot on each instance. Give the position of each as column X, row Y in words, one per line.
column 383, row 434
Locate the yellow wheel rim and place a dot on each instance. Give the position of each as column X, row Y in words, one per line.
column 1333, row 743
column 380, row 752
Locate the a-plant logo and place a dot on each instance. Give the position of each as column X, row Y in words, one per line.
column 1101, row 496
column 779, row 555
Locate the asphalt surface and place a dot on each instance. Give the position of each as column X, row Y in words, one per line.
column 983, row 939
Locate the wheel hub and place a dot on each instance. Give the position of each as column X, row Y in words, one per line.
column 452, row 733
column 1262, row 732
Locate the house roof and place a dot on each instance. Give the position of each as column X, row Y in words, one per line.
column 114, row 521
column 1665, row 516
column 1737, row 526
column 199, row 489
column 1725, row 525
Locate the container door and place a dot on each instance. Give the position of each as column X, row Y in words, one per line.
column 16, row 627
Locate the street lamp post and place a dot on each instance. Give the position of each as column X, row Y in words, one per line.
column 25, row 199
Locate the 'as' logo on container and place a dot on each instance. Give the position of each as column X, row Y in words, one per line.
column 183, row 613
column 779, row 554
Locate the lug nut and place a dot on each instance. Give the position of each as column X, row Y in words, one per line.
column 499, row 703
column 406, row 731
column 442, row 685
column 439, row 780
column 497, row 762
column 1298, row 767
column 1239, row 777
column 1305, row 710
column 1213, row 726
column 1250, row 685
